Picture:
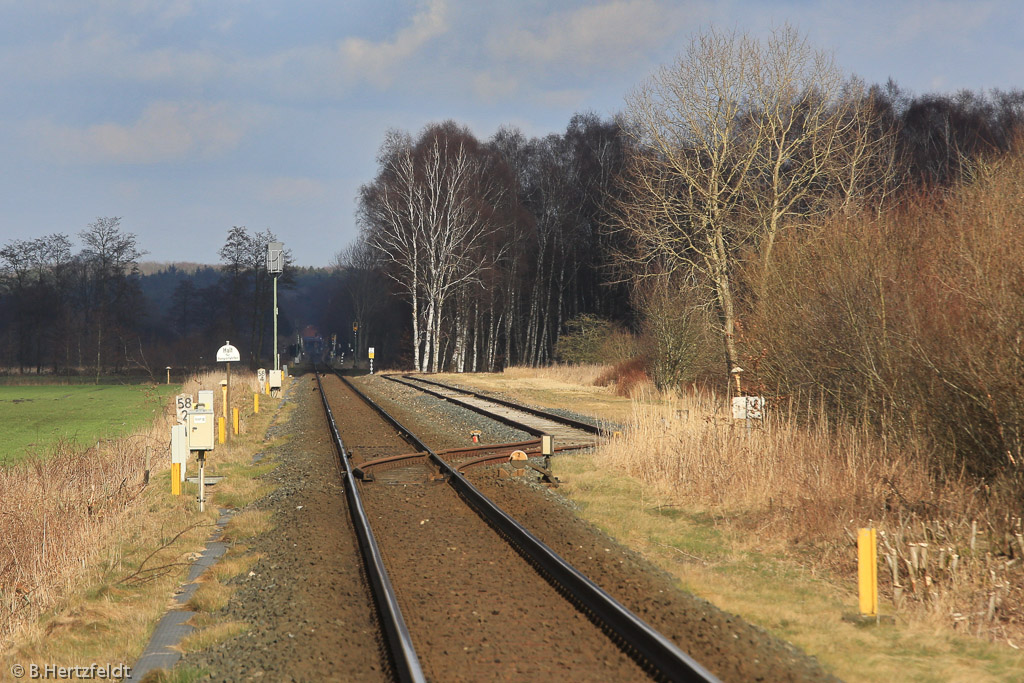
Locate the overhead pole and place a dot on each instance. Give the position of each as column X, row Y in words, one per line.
column 277, row 363
column 275, row 265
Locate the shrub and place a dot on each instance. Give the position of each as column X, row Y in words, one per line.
column 589, row 339
column 913, row 320
column 677, row 334
column 628, row 377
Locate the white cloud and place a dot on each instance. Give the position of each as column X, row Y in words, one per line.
column 166, row 131
column 377, row 62
column 603, row 34
column 109, row 49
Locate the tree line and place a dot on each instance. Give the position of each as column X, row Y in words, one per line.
column 494, row 246
column 94, row 312
column 717, row 220
column 63, row 309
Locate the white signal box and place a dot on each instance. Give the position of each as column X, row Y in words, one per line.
column 275, row 378
column 200, row 430
column 205, row 399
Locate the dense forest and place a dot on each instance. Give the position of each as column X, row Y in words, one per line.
column 752, row 205
column 101, row 311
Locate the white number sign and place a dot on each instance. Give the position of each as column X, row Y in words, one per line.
column 748, row 407
column 182, row 404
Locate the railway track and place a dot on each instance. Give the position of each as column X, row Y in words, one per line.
column 565, row 430
column 566, row 433
column 463, row 590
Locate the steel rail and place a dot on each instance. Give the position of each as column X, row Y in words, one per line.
column 404, row 660
column 411, row 382
column 561, row 419
column 666, row 659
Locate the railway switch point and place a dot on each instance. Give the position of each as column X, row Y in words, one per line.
column 546, row 475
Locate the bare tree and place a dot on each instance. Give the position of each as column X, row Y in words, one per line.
column 110, row 257
column 735, row 141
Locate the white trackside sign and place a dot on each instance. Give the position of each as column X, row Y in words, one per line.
column 228, row 353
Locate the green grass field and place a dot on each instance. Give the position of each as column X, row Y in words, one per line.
column 35, row 418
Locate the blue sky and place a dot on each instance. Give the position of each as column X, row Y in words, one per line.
column 186, row 117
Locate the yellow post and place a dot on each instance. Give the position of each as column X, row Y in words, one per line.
column 256, row 402
column 867, row 572
column 224, row 396
column 176, row 479
column 220, row 430
column 234, row 420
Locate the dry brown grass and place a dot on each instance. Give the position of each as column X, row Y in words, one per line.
column 248, row 524
column 805, row 490
column 569, row 387
column 64, row 517
column 211, row 596
column 585, row 375
column 208, row 636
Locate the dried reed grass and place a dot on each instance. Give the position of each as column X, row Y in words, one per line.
column 945, row 552
column 61, row 511
column 583, row 374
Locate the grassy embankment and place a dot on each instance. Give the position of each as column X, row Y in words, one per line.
column 93, row 554
column 761, row 524
column 36, row 418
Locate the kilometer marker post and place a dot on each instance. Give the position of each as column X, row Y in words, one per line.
column 867, row 572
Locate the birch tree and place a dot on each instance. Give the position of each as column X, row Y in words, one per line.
column 429, row 214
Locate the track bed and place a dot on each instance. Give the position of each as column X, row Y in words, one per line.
column 476, row 610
